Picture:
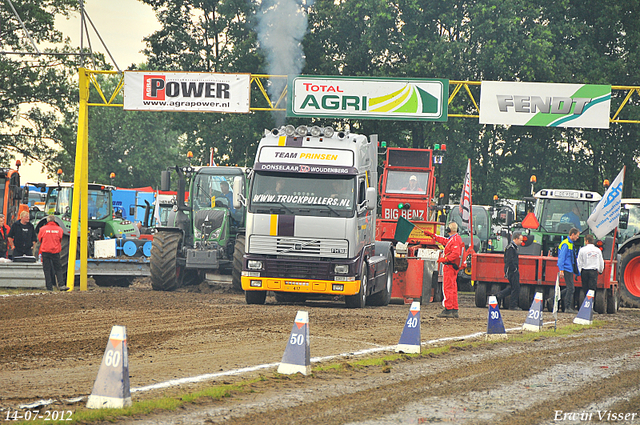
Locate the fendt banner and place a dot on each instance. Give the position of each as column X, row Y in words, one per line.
column 545, row 104
column 186, row 91
column 368, row 98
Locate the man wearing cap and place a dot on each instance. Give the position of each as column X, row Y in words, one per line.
column 453, row 248
column 413, row 185
column 50, row 237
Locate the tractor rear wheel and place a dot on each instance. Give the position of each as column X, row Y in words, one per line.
column 630, row 276
column 238, row 253
column 163, row 264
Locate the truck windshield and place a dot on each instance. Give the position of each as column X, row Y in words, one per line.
column 409, row 182
column 560, row 215
column 303, row 194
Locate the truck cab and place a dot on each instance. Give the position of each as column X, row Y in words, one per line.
column 311, row 219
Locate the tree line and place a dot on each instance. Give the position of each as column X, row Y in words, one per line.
column 555, row 41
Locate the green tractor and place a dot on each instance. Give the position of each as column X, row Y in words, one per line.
column 206, row 235
column 106, row 228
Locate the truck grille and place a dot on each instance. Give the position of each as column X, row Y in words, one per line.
column 299, row 247
column 297, row 269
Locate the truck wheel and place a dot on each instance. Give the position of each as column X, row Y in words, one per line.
column 600, row 304
column 525, row 299
column 481, row 294
column 495, row 288
column 383, row 297
column 613, row 301
column 255, row 297
column 359, row 300
column 238, row 253
column 163, row 264
column 438, row 295
column 630, row 277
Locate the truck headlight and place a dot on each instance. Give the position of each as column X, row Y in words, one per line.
column 254, row 265
column 341, row 269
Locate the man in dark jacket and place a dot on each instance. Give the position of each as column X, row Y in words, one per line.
column 512, row 273
column 50, row 237
column 22, row 236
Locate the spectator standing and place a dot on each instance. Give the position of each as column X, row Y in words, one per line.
column 22, row 236
column 4, row 237
column 50, row 237
column 512, row 273
column 590, row 263
column 453, row 249
column 568, row 268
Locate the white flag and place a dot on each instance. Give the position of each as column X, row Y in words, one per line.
column 556, row 298
column 605, row 217
column 465, row 200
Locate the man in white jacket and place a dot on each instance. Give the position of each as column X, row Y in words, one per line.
column 590, row 263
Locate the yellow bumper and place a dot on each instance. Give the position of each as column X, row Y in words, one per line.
column 305, row 286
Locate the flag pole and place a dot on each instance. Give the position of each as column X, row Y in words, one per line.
column 470, row 207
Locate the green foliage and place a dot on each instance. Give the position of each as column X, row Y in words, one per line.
column 37, row 95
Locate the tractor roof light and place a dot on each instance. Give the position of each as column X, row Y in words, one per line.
column 112, row 175
column 383, row 144
column 495, row 197
column 59, row 171
column 436, row 147
column 533, row 179
column 443, row 147
column 189, row 154
column 606, row 183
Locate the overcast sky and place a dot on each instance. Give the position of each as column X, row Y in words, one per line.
column 122, row 24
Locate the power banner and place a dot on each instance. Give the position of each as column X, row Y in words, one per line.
column 368, row 98
column 545, row 105
column 186, row 91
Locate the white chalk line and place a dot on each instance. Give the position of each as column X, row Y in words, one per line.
column 208, row 376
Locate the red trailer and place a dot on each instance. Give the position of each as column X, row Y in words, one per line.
column 407, row 189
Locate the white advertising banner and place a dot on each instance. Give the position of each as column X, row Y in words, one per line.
column 545, row 104
column 368, row 98
column 186, row 91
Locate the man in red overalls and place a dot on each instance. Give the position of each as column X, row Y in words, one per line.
column 50, row 237
column 453, row 248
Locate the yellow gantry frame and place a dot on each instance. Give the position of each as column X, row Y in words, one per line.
column 87, row 78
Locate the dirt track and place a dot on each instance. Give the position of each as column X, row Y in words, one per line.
column 52, row 345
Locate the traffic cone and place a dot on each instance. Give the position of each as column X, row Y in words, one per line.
column 410, row 338
column 495, row 327
column 534, row 318
column 585, row 315
column 297, row 357
column 111, row 388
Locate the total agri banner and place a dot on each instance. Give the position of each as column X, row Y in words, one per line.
column 186, row 91
column 545, row 104
column 368, row 98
